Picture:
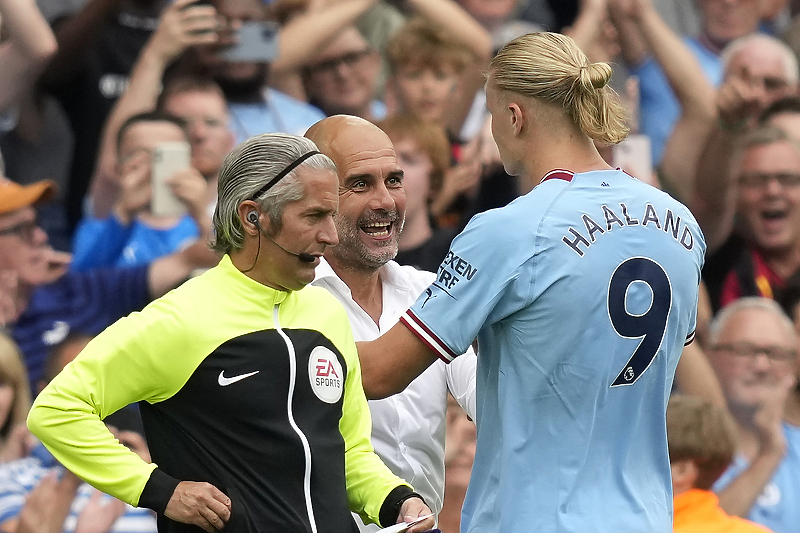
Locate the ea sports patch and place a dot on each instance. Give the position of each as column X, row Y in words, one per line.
column 325, row 374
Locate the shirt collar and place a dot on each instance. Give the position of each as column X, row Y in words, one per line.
column 247, row 284
column 390, row 273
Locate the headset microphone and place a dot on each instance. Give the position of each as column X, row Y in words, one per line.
column 252, row 217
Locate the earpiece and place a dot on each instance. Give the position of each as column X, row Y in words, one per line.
column 252, row 217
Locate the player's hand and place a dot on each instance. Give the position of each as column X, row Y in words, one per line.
column 412, row 509
column 200, row 504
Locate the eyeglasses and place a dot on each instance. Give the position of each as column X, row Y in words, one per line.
column 757, row 180
column 748, row 352
column 24, row 230
column 350, row 60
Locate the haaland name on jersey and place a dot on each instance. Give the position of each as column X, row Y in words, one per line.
column 672, row 226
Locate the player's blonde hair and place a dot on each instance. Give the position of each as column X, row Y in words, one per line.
column 550, row 67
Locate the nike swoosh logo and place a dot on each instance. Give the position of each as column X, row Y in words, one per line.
column 224, row 382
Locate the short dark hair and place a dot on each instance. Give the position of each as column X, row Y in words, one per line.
column 788, row 104
column 149, row 116
column 188, row 84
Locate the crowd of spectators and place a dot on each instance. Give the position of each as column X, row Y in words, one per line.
column 93, row 93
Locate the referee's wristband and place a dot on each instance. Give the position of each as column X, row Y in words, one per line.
column 390, row 510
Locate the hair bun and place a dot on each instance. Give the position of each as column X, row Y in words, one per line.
column 594, row 75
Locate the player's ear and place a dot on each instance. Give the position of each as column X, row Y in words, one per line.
column 516, row 118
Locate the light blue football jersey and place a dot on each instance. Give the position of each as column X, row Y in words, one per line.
column 581, row 294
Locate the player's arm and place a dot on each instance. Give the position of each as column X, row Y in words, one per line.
column 392, row 361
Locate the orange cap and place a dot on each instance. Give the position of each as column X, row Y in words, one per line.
column 14, row 196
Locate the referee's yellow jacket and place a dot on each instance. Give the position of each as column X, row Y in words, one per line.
column 254, row 390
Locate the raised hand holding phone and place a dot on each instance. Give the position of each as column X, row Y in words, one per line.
column 168, row 158
column 256, row 42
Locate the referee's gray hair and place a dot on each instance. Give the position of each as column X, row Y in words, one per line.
column 247, row 168
column 748, row 302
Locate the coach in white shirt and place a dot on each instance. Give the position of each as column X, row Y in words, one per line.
column 408, row 429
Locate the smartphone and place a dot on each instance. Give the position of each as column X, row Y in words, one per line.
column 168, row 158
column 258, row 43
column 633, row 156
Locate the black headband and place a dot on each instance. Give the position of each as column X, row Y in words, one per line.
column 293, row 165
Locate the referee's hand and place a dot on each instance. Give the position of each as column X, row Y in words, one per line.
column 412, row 509
column 200, row 504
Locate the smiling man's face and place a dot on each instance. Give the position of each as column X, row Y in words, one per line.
column 769, row 195
column 372, row 200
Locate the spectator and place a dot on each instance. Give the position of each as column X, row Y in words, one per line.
column 341, row 78
column 201, row 105
column 640, row 29
column 721, row 23
column 784, row 114
column 759, row 70
column 15, row 401
column 424, row 155
column 36, row 490
column 27, row 46
column 789, row 300
column 291, row 463
column 50, row 301
column 189, row 39
column 754, row 353
column 430, row 79
column 182, row 25
column 375, row 290
column 702, row 442
column 133, row 234
column 760, row 188
column 254, row 108
column 97, row 48
column 459, row 453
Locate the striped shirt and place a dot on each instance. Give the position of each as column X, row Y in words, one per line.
column 18, row 478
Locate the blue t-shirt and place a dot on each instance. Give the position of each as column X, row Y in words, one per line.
column 658, row 107
column 582, row 294
column 84, row 302
column 276, row 113
column 778, row 506
column 107, row 242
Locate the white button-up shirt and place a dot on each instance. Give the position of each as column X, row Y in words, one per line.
column 408, row 428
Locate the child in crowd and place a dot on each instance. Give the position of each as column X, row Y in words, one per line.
column 424, row 155
column 702, row 442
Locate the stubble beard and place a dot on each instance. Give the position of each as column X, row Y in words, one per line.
column 353, row 253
